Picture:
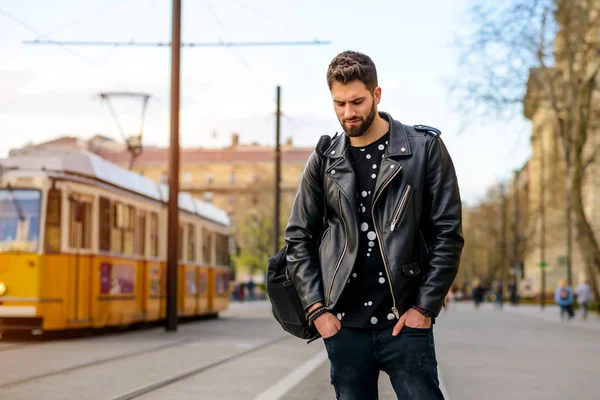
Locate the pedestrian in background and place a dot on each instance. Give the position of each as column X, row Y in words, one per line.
column 563, row 296
column 478, row 293
column 584, row 296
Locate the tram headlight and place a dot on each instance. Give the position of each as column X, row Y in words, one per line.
column 2, row 288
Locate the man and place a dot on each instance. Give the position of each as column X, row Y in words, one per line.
column 391, row 246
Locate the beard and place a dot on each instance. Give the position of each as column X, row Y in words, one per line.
column 359, row 130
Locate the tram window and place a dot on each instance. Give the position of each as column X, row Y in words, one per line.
column 129, row 228
column 141, row 236
column 104, row 216
column 191, row 255
column 53, row 216
column 222, row 250
column 116, row 235
column 80, row 227
column 180, row 243
column 206, row 246
column 153, row 235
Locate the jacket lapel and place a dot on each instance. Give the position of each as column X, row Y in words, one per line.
column 342, row 173
column 398, row 147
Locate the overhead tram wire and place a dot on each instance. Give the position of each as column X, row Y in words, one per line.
column 62, row 46
column 168, row 44
column 258, row 80
column 149, row 9
column 268, row 17
column 82, row 18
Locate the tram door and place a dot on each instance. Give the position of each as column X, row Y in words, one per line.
column 80, row 261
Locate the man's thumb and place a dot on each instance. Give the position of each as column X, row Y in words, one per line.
column 398, row 327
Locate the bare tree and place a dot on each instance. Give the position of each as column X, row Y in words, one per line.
column 540, row 53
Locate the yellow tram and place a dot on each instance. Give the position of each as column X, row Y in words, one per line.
column 83, row 244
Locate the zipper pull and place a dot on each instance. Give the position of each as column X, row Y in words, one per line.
column 396, row 313
column 393, row 226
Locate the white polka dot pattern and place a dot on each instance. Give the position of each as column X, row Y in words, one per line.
column 368, row 292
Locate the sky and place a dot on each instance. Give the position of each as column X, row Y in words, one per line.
column 50, row 91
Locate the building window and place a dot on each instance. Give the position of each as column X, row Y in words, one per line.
column 164, row 178
column 231, row 199
column 232, row 178
column 208, row 196
column 187, row 177
column 256, row 177
column 209, row 178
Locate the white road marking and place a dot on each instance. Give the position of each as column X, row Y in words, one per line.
column 280, row 388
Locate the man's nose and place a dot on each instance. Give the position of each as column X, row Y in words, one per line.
column 349, row 112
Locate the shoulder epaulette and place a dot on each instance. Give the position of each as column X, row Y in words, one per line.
column 429, row 129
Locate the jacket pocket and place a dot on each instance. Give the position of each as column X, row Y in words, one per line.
column 411, row 269
column 401, row 207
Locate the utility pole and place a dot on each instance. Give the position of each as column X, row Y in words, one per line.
column 503, row 252
column 516, row 239
column 173, row 223
column 277, row 172
column 542, row 224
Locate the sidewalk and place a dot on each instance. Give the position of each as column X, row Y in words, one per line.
column 552, row 313
column 518, row 353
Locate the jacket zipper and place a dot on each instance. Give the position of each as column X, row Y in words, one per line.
column 401, row 208
column 387, row 272
column 337, row 267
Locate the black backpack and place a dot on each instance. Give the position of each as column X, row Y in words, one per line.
column 286, row 306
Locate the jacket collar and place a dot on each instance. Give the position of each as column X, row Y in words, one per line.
column 398, row 141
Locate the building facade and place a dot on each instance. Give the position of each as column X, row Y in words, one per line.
column 546, row 255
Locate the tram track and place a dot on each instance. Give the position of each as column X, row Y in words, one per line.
column 148, row 388
column 95, row 363
column 196, row 371
column 17, row 346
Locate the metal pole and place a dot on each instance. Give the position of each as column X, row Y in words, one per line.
column 516, row 239
column 277, row 172
column 503, row 252
column 543, row 226
column 173, row 225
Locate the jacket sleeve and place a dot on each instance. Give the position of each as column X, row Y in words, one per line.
column 302, row 232
column 443, row 227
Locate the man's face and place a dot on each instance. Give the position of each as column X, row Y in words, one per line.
column 355, row 106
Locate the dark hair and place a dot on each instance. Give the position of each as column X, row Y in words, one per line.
column 349, row 66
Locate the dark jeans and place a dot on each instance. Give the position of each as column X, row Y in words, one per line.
column 567, row 310
column 584, row 309
column 357, row 355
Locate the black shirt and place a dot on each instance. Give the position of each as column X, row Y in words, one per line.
column 366, row 301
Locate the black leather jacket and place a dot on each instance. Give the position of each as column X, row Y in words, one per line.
column 417, row 216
